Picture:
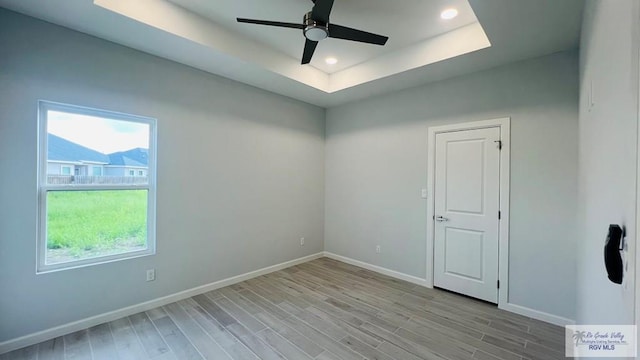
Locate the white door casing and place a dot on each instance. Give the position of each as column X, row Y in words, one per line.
column 467, row 201
column 504, row 124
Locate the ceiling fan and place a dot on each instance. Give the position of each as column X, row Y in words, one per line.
column 315, row 27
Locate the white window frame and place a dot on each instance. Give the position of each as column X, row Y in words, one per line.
column 44, row 188
column 62, row 167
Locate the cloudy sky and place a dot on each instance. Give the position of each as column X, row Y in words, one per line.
column 104, row 135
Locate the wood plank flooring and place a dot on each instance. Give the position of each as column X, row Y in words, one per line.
column 322, row 310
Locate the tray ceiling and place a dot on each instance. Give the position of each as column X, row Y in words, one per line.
column 422, row 47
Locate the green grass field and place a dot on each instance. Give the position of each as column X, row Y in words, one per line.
column 96, row 221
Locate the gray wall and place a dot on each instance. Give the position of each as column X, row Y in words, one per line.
column 608, row 144
column 261, row 190
column 376, row 164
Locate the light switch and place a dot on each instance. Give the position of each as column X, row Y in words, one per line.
column 424, row 193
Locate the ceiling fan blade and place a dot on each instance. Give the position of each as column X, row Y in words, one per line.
column 322, row 10
column 345, row 33
column 271, row 23
column 309, row 49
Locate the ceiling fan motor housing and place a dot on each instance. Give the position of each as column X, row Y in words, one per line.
column 315, row 30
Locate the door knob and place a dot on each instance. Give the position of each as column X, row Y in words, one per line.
column 441, row 218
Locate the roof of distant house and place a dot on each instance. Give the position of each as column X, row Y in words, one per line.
column 133, row 157
column 64, row 150
column 60, row 149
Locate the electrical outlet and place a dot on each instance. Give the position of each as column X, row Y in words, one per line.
column 151, row 274
column 378, row 249
column 301, row 241
column 424, row 193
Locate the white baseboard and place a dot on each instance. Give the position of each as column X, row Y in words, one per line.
column 45, row 335
column 538, row 315
column 517, row 309
column 379, row 269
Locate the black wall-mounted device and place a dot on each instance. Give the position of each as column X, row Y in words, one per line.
column 612, row 256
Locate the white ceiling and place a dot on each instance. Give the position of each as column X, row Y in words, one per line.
column 422, row 47
column 369, row 15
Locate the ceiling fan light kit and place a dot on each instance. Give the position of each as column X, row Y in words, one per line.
column 316, row 27
column 314, row 30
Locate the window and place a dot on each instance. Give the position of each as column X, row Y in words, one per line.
column 132, row 173
column 140, row 173
column 93, row 219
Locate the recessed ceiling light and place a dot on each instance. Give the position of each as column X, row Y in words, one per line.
column 449, row 14
column 331, row 60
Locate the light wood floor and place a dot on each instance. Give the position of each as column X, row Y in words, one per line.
column 321, row 310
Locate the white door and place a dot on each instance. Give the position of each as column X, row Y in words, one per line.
column 467, row 184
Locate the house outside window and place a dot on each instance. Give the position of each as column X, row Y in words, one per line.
column 140, row 173
column 132, row 173
column 85, row 220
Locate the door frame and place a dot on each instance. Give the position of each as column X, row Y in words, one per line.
column 503, row 232
column 635, row 244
